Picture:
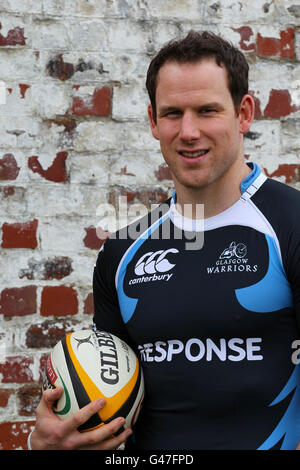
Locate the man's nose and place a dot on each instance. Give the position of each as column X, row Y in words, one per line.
column 189, row 128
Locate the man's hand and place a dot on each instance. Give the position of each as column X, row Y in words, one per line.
column 51, row 432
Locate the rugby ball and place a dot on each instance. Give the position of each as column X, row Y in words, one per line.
column 91, row 364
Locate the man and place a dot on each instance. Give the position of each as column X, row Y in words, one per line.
column 214, row 320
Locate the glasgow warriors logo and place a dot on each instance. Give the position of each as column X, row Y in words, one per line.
column 232, row 259
column 239, row 250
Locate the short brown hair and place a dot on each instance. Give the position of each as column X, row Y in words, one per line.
column 194, row 47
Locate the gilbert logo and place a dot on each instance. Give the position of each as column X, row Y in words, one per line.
column 232, row 259
column 154, row 264
column 82, row 341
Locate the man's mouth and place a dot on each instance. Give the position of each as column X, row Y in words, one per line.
column 194, row 154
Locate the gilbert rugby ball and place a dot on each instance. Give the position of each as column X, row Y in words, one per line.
column 93, row 364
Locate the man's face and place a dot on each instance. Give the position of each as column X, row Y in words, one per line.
column 197, row 125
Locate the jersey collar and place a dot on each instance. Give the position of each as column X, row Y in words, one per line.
column 248, row 186
column 247, row 182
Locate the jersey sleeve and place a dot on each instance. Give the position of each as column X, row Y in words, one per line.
column 107, row 314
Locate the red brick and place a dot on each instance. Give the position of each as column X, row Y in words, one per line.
column 9, row 169
column 7, row 191
column 156, row 196
column 23, row 89
column 97, row 105
column 43, row 363
column 245, row 42
column 18, row 301
column 14, row 37
column 145, row 197
column 47, row 334
column 89, row 304
column 291, row 172
column 59, row 300
column 123, row 171
column 279, row 104
column 163, row 173
column 13, row 436
column 29, row 396
column 257, row 109
column 69, row 124
column 20, row 235
column 4, row 397
column 56, row 172
column 283, row 47
column 92, row 240
column 57, row 68
column 16, row 370
column 47, row 269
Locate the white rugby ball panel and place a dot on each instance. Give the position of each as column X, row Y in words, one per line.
column 79, row 388
column 56, row 374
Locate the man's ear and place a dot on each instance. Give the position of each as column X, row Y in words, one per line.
column 246, row 113
column 152, row 122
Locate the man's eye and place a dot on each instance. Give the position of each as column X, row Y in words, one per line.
column 173, row 113
column 207, row 110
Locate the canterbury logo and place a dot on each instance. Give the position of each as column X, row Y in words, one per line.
column 154, row 262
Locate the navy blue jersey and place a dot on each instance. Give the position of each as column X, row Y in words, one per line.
column 213, row 311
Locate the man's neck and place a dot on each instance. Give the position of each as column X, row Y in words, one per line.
column 215, row 198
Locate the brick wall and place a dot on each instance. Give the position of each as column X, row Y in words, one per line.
column 75, row 150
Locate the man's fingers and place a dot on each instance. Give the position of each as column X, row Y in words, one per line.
column 104, row 438
column 65, row 434
column 52, row 394
column 101, row 437
column 49, row 397
column 110, row 428
column 84, row 414
column 115, row 441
